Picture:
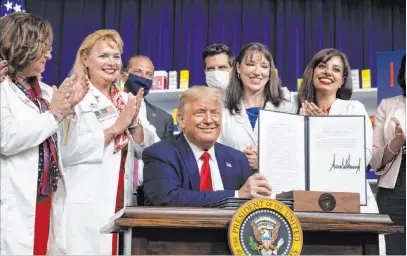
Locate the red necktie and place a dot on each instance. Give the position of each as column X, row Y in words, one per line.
column 206, row 179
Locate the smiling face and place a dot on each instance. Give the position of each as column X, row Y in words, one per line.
column 200, row 121
column 254, row 71
column 328, row 75
column 104, row 62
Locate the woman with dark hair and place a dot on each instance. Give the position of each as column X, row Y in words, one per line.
column 326, row 90
column 323, row 88
column 389, row 162
column 32, row 178
column 254, row 85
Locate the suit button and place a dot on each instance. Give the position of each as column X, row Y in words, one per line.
column 154, row 115
column 126, row 176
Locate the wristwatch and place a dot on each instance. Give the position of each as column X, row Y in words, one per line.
column 58, row 117
column 134, row 126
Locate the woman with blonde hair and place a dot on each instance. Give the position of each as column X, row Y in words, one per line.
column 100, row 145
column 32, row 178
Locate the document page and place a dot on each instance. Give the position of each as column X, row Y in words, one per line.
column 337, row 159
column 281, row 150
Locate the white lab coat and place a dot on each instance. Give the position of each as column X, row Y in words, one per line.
column 23, row 128
column 353, row 107
column 92, row 174
column 237, row 132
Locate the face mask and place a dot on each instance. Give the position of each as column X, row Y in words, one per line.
column 217, row 79
column 135, row 83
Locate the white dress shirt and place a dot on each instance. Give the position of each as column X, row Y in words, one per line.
column 217, row 183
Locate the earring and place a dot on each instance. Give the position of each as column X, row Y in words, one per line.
column 238, row 75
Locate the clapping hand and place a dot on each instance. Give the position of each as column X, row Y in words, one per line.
column 129, row 113
column 139, row 98
column 79, row 90
column 400, row 135
column 310, row 109
column 61, row 102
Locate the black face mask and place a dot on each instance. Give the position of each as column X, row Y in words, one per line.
column 134, row 83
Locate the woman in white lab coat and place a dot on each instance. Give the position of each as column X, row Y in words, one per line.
column 32, row 187
column 326, row 90
column 254, row 85
column 94, row 148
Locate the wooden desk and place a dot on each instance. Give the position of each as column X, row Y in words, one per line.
column 168, row 230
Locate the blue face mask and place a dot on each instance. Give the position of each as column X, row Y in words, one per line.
column 134, row 83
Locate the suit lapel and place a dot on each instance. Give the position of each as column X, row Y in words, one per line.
column 225, row 167
column 189, row 161
column 151, row 115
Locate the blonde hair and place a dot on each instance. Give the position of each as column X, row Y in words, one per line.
column 111, row 37
column 24, row 38
column 196, row 93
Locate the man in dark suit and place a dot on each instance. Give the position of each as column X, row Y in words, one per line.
column 192, row 169
column 138, row 73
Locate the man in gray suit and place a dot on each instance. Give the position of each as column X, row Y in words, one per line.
column 139, row 71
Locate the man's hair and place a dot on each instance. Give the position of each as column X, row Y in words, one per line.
column 23, row 38
column 216, row 49
column 198, row 92
column 126, row 65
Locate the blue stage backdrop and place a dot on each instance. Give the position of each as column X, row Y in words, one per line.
column 174, row 32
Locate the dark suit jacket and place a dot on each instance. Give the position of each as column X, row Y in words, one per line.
column 161, row 120
column 171, row 175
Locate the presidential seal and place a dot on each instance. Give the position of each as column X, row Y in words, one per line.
column 265, row 227
column 327, row 202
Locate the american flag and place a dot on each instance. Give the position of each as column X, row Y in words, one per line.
column 10, row 6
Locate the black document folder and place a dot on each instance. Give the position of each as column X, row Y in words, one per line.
column 234, row 203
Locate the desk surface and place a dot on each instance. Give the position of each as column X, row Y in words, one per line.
column 186, row 217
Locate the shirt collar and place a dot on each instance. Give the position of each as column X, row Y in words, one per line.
column 198, row 152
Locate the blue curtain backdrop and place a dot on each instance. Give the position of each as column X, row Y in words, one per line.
column 174, row 32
